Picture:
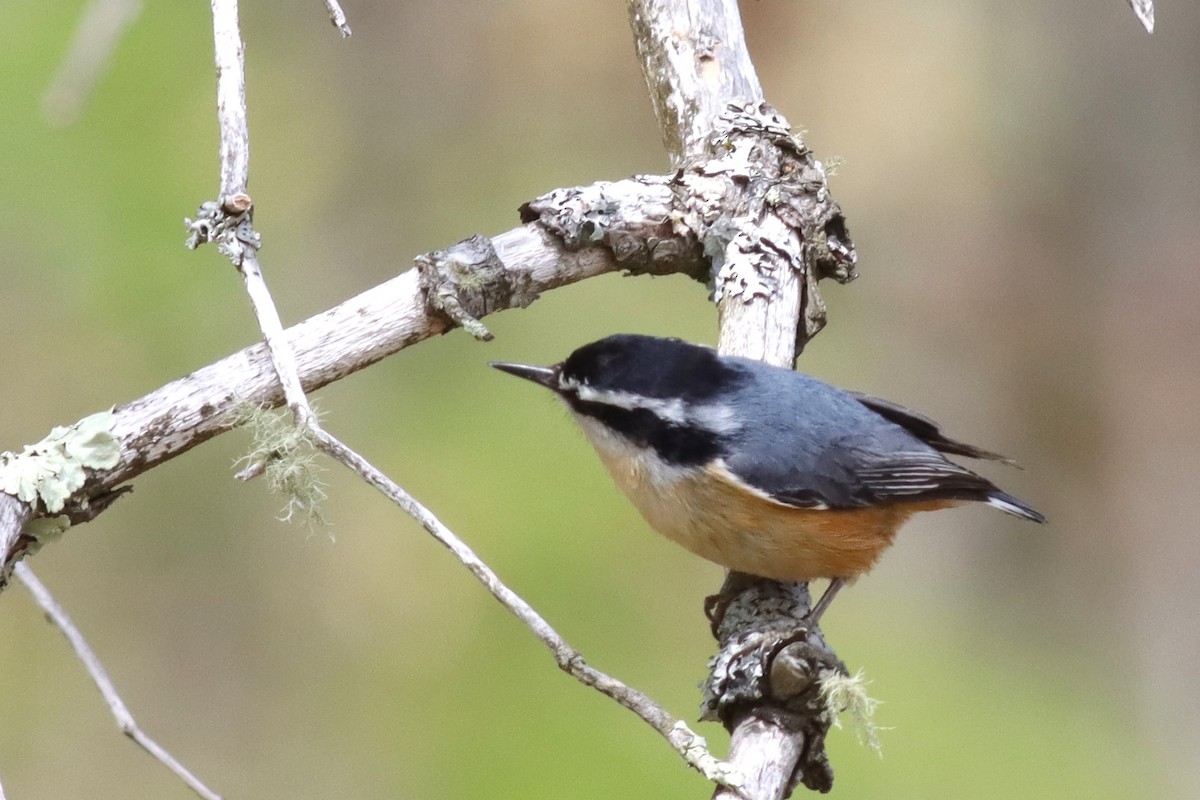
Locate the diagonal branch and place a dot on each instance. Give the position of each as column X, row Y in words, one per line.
column 1144, row 9
column 691, row 747
column 512, row 270
column 125, row 721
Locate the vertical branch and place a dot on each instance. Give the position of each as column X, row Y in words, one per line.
column 231, row 100
column 695, row 61
column 696, row 64
column 710, row 108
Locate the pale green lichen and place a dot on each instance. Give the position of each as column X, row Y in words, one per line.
column 55, row 468
column 289, row 461
column 844, row 694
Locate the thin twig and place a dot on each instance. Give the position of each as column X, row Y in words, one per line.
column 125, row 721
column 235, row 173
column 100, row 28
column 272, row 330
column 686, row 743
column 338, row 17
column 231, row 99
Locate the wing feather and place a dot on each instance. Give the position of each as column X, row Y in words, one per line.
column 924, row 428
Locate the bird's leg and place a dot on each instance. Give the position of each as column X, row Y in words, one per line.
column 814, row 616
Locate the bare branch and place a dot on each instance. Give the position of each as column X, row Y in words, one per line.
column 338, row 17
column 695, row 61
column 236, row 203
column 100, row 29
column 125, row 721
column 328, row 347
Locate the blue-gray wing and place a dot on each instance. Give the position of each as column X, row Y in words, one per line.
column 829, row 448
column 856, row 478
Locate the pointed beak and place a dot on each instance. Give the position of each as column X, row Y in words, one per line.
column 543, row 376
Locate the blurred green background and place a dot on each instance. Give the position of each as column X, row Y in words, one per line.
column 1021, row 180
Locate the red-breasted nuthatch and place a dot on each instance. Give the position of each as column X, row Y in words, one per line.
column 760, row 469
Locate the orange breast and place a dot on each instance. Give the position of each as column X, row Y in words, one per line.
column 707, row 512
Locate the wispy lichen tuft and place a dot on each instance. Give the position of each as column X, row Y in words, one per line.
column 848, row 694
column 285, row 454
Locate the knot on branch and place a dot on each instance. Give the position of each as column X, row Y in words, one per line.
column 774, row 213
column 229, row 224
column 771, row 666
column 756, row 208
column 468, row 280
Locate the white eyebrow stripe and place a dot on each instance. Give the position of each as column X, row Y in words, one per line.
column 669, row 410
column 714, row 417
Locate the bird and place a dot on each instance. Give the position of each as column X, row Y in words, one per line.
column 761, row 469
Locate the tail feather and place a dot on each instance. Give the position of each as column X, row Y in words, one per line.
column 1006, row 502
